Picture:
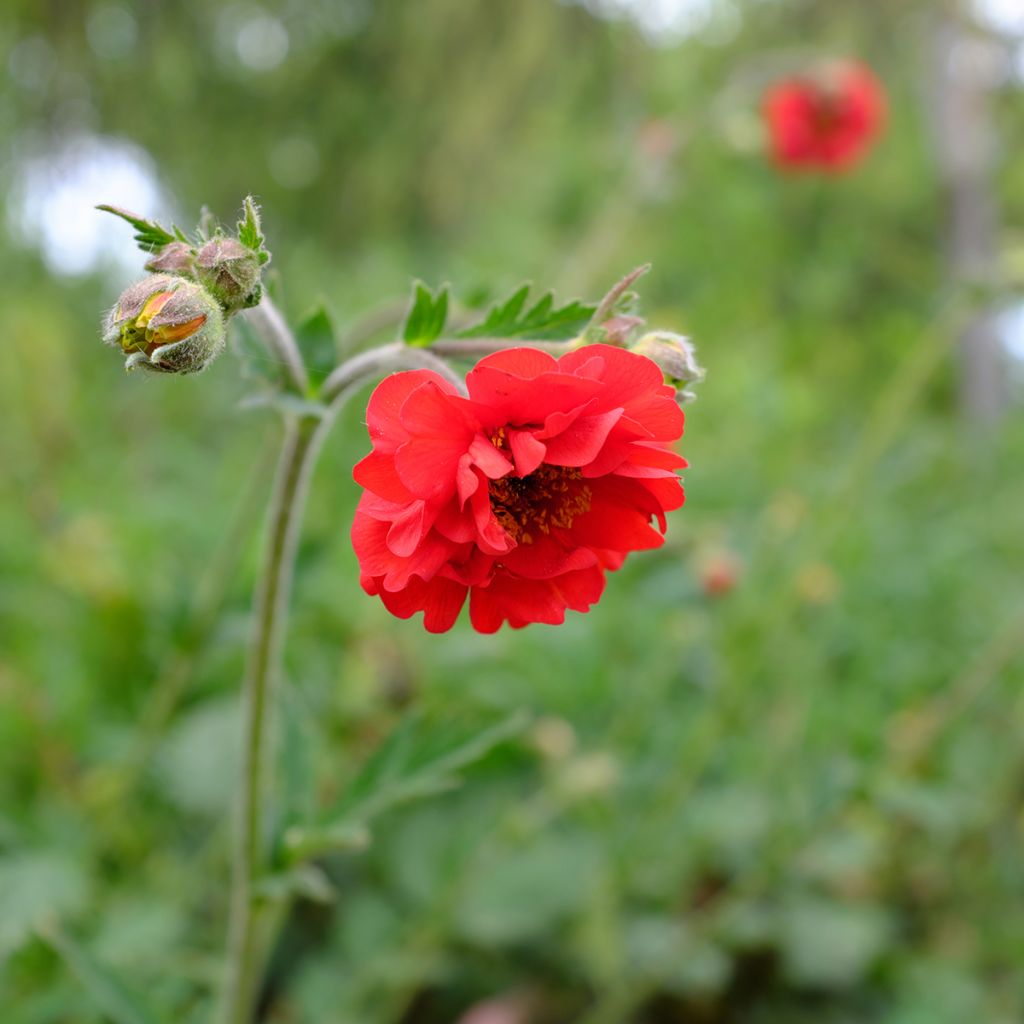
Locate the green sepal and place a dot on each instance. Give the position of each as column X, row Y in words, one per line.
column 426, row 317
column 149, row 235
column 316, row 340
column 250, row 232
column 543, row 320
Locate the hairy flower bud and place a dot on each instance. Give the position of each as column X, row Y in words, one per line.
column 675, row 356
column 230, row 272
column 166, row 324
column 173, row 258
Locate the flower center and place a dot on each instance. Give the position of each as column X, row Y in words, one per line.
column 551, row 496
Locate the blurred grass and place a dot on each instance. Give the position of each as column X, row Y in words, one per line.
column 795, row 801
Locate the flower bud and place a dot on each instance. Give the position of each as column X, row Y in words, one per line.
column 230, row 272
column 173, row 258
column 677, row 358
column 166, row 324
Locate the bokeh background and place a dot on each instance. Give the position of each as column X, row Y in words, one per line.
column 775, row 776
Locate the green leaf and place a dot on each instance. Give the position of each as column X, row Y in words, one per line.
column 427, row 315
column 541, row 321
column 149, row 235
column 250, row 232
column 108, row 992
column 413, row 763
column 34, row 886
column 315, row 337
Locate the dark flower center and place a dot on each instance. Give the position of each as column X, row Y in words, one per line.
column 551, row 496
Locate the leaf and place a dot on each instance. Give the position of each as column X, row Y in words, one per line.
column 149, row 235
column 413, row 763
column 315, row 337
column 521, row 894
column 36, row 885
column 427, row 315
column 543, row 320
column 250, row 232
column 108, row 992
column 831, row 944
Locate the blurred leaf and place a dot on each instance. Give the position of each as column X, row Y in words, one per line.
column 427, row 316
column 34, row 887
column 828, row 944
column 665, row 951
column 198, row 763
column 107, row 991
column 523, row 893
column 149, row 235
column 315, row 337
column 543, row 320
column 415, row 762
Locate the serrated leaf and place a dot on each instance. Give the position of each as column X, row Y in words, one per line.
column 250, row 232
column 413, row 763
column 316, row 341
column 149, row 235
column 427, row 315
column 107, row 991
column 541, row 321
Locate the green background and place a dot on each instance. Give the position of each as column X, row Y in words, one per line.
column 799, row 800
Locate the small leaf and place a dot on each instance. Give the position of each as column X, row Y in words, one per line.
column 250, row 232
column 108, row 992
column 541, row 321
column 413, row 763
column 427, row 315
column 149, row 235
column 315, row 337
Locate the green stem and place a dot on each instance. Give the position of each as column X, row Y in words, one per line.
column 247, row 941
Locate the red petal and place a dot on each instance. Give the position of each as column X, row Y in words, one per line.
column 440, row 600
column 581, row 442
column 527, row 451
column 377, row 473
column 382, row 412
column 523, row 362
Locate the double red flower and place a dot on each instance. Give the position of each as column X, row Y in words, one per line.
column 520, row 495
column 827, row 121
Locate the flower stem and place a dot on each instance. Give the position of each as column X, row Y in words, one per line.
column 270, row 326
column 247, row 938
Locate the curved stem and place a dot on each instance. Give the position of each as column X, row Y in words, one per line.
column 377, row 361
column 247, row 941
column 471, row 348
column 270, row 325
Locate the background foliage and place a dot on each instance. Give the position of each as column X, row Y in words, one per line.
column 795, row 801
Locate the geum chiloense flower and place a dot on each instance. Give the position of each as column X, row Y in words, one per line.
column 521, row 495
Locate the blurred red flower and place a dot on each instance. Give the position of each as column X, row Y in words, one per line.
column 523, row 493
column 826, row 121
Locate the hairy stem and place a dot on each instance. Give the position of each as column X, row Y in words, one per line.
column 247, row 941
column 376, row 362
column 473, row 348
column 274, row 333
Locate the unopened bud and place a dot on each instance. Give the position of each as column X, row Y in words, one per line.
column 677, row 358
column 166, row 324
column 230, row 272
column 173, row 258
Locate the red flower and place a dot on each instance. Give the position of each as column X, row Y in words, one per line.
column 826, row 122
column 520, row 495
